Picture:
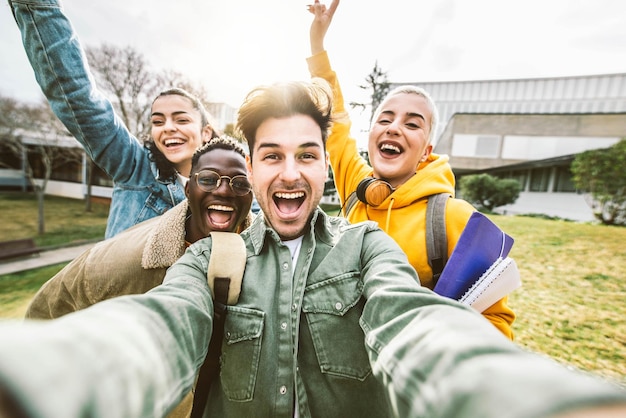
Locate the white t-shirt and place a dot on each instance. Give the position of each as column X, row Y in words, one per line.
column 294, row 247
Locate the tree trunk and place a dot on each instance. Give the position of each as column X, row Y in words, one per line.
column 89, row 179
column 41, row 190
column 41, row 224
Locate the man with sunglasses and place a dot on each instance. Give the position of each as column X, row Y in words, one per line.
column 219, row 197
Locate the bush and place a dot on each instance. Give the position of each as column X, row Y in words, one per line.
column 600, row 173
column 487, row 192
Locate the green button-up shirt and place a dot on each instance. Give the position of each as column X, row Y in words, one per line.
column 299, row 330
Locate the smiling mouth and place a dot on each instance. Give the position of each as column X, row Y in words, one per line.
column 390, row 149
column 288, row 203
column 221, row 216
column 173, row 142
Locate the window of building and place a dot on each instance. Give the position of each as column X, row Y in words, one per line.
column 9, row 158
column 539, row 179
column 65, row 163
column 521, row 176
column 100, row 178
column 68, row 171
column 488, row 146
column 476, row 146
column 564, row 181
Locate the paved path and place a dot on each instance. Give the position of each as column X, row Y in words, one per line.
column 45, row 258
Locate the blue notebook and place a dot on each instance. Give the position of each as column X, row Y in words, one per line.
column 481, row 244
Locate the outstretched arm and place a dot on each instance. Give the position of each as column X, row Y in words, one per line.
column 348, row 166
column 130, row 356
column 62, row 71
column 321, row 22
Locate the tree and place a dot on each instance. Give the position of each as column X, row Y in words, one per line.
column 33, row 134
column 127, row 76
column 600, row 173
column 487, row 192
column 125, row 73
column 379, row 85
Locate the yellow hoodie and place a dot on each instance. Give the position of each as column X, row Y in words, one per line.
column 403, row 214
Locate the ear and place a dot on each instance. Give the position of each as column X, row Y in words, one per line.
column 207, row 133
column 249, row 168
column 427, row 151
column 327, row 163
column 187, row 187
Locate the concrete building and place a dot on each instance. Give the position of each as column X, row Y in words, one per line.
column 69, row 171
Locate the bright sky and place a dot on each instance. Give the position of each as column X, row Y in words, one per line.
column 233, row 45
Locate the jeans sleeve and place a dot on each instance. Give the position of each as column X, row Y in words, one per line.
column 62, row 71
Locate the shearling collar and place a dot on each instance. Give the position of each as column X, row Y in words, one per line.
column 166, row 241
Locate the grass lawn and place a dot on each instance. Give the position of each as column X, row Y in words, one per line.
column 572, row 301
column 16, row 290
column 65, row 219
column 571, row 306
column 65, row 222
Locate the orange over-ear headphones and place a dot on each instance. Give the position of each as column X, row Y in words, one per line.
column 373, row 191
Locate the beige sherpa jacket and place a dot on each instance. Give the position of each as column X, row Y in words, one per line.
column 134, row 261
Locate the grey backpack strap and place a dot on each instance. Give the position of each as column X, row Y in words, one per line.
column 350, row 202
column 436, row 238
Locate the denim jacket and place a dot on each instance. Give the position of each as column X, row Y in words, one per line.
column 63, row 74
column 349, row 334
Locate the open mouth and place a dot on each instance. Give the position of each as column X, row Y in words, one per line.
column 389, row 149
column 288, row 203
column 173, row 142
column 221, row 217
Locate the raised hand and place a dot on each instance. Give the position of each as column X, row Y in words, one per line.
column 320, row 24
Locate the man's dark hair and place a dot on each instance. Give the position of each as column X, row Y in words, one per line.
column 282, row 100
column 222, row 142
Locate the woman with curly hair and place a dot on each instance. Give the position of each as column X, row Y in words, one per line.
column 148, row 178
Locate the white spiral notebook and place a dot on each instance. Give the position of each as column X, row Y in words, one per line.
column 499, row 280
